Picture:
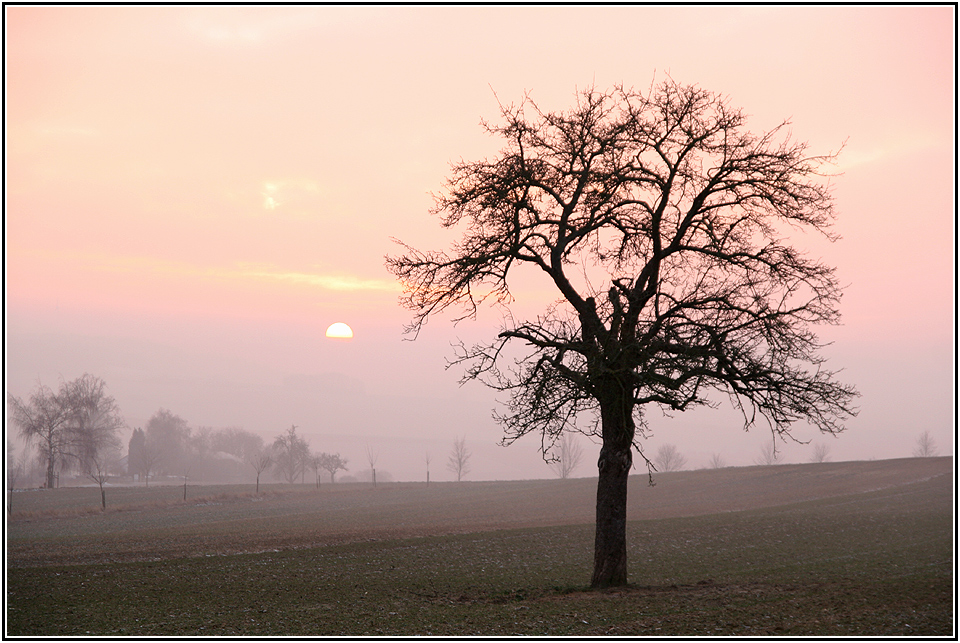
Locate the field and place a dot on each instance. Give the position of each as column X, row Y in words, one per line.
column 833, row 549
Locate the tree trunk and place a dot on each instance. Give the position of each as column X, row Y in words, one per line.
column 51, row 474
column 103, row 498
column 614, row 464
column 610, row 545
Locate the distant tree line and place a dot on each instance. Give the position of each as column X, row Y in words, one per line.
column 167, row 446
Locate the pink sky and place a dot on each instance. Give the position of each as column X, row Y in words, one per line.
column 193, row 194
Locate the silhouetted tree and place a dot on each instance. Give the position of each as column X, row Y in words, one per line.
column 260, row 461
column 94, row 421
column 926, row 447
column 43, row 419
column 566, row 457
column 332, row 463
column 821, row 452
column 372, row 455
column 97, row 468
column 716, row 462
column 668, row 458
column 459, row 458
column 769, row 454
column 70, row 426
column 291, row 453
column 426, row 459
column 661, row 222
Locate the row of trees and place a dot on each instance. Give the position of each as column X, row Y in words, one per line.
column 669, row 458
column 76, row 429
column 167, row 446
column 291, row 458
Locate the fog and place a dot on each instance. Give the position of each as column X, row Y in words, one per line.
column 192, row 198
column 398, row 398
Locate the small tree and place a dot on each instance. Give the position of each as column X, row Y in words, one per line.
column 668, row 458
column 769, row 454
column 332, row 463
column 97, row 469
column 372, row 455
column 315, row 465
column 716, row 461
column 568, row 455
column 459, row 457
column 821, row 452
column 151, row 455
column 926, row 447
column 426, row 458
column 260, row 461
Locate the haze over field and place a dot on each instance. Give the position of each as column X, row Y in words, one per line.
column 195, row 194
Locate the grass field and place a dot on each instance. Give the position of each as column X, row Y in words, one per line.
column 835, row 549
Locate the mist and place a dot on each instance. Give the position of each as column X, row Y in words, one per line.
column 191, row 201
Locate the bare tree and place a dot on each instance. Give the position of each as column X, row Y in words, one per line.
column 459, row 458
column 97, row 467
column 926, row 447
column 662, row 224
column 314, row 462
column 426, row 458
column 568, row 455
column 70, row 426
column 372, row 455
column 821, row 452
column 45, row 420
column 260, row 461
column 290, row 454
column 716, row 461
column 151, row 456
column 332, row 463
column 668, row 458
column 769, row 454
column 95, row 421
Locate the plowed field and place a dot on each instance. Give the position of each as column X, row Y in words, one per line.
column 852, row 548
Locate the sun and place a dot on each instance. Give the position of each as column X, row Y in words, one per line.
column 339, row 330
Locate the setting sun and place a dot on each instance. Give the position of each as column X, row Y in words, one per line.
column 339, row 330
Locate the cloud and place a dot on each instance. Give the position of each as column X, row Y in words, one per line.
column 329, row 282
column 152, row 266
column 277, row 192
column 887, row 150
